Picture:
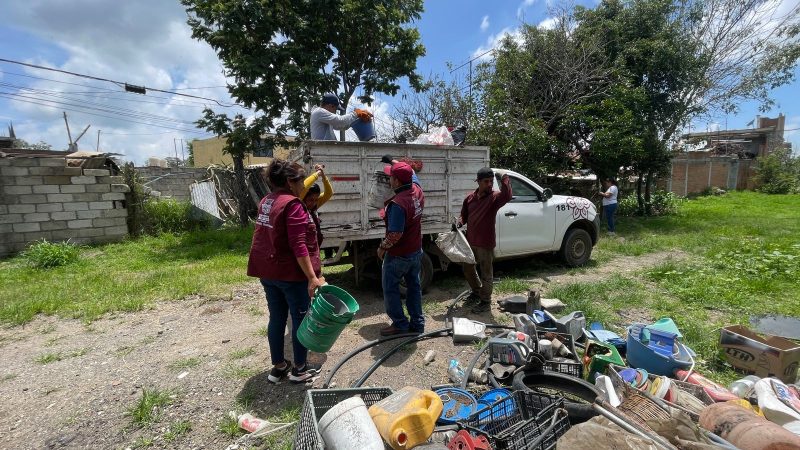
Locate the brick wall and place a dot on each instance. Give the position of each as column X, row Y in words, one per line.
column 172, row 182
column 41, row 198
column 695, row 171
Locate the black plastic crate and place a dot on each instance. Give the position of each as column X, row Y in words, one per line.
column 567, row 368
column 519, row 421
column 318, row 402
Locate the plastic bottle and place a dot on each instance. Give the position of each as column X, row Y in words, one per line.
column 407, row 418
column 525, row 324
column 743, row 387
column 778, row 404
column 251, row 423
column 604, row 385
column 455, row 372
column 714, row 390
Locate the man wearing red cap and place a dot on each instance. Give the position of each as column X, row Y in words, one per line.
column 478, row 212
column 401, row 250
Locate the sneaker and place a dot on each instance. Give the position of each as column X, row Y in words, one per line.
column 481, row 307
column 416, row 330
column 612, row 234
column 306, row 373
column 277, row 374
column 472, row 299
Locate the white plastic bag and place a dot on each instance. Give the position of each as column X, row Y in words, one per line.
column 437, row 136
column 455, row 246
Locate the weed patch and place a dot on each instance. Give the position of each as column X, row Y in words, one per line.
column 242, row 353
column 45, row 255
column 149, row 407
column 185, row 363
column 238, row 372
column 177, row 429
column 47, row 358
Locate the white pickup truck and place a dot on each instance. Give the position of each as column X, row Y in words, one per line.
column 534, row 221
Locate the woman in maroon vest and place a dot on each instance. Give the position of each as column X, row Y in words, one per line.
column 285, row 256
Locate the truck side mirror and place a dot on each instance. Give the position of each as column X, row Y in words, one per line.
column 547, row 193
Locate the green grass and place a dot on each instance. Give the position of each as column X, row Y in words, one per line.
column 185, row 363
column 743, row 259
column 47, row 358
column 149, row 407
column 126, row 276
column 262, row 331
column 242, row 353
column 229, row 426
column 177, row 429
column 238, row 372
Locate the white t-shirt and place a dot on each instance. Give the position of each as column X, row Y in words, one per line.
column 613, row 198
column 324, row 122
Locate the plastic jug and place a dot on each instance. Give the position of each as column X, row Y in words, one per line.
column 573, row 323
column 347, row 426
column 406, row 418
column 525, row 324
column 778, row 404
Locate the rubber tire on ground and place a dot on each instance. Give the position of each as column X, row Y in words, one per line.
column 576, row 249
column 578, row 412
column 425, row 275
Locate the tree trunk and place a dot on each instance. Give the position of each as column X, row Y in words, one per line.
column 639, row 199
column 648, row 204
column 240, row 189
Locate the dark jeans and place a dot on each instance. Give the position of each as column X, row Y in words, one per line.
column 396, row 268
column 610, row 211
column 283, row 298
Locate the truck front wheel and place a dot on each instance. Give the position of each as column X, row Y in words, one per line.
column 576, row 248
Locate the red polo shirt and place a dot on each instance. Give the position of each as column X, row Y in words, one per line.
column 478, row 213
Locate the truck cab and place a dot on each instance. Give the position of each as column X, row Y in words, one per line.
column 536, row 221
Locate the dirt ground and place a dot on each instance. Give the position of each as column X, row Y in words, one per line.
column 80, row 401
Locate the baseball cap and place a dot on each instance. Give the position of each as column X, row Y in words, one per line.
column 484, row 172
column 332, row 99
column 402, row 171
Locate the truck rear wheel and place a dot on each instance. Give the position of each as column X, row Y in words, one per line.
column 576, row 248
column 425, row 275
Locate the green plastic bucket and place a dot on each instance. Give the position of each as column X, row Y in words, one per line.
column 332, row 309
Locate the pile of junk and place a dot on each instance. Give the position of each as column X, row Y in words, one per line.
column 549, row 382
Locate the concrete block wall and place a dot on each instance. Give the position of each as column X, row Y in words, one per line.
column 42, row 198
column 172, row 182
column 695, row 171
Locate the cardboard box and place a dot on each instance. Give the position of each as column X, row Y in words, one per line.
column 768, row 356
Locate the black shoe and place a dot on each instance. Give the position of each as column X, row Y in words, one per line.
column 392, row 330
column 276, row 374
column 481, row 307
column 305, row 373
column 416, row 330
column 472, row 299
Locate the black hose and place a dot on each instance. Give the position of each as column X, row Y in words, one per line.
column 392, row 351
column 366, row 346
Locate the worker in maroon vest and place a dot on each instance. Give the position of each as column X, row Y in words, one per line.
column 479, row 212
column 401, row 250
column 285, row 256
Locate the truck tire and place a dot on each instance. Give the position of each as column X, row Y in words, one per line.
column 425, row 275
column 576, row 249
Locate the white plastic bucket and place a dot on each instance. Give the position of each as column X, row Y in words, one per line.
column 348, row 426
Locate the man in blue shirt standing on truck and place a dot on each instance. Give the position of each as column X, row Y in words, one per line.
column 401, row 250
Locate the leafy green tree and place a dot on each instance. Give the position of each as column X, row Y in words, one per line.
column 283, row 54
column 437, row 103
column 41, row 145
column 779, row 172
column 190, row 148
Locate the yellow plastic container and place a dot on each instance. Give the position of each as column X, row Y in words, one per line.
column 406, row 418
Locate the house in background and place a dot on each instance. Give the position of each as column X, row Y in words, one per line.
column 726, row 159
column 208, row 152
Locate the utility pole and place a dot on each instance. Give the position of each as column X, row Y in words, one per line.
column 69, row 135
column 175, row 144
column 97, row 148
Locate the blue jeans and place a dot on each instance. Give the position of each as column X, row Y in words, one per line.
column 284, row 297
column 396, row 268
column 609, row 211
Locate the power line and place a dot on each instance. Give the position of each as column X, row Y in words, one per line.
column 4, row 95
column 118, row 83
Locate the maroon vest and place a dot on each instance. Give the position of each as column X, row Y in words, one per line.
column 271, row 257
column 412, row 201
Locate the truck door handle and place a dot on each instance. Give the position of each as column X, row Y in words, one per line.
column 511, row 214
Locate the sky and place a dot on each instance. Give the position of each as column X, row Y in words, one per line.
column 147, row 42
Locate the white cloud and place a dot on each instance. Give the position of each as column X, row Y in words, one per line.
column 493, row 41
column 144, row 43
column 485, row 23
column 548, row 23
column 522, row 7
